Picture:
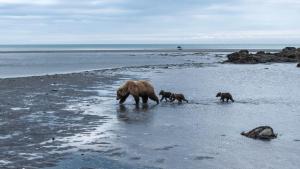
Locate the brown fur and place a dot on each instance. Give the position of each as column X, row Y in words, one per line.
column 137, row 89
column 180, row 97
column 165, row 95
column 224, row 96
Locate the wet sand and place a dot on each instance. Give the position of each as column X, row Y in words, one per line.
column 35, row 116
column 73, row 120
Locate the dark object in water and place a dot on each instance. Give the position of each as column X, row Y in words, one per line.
column 179, row 47
column 165, row 95
column 178, row 97
column 262, row 132
column 224, row 96
column 298, row 65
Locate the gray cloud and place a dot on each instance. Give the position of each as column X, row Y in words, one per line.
column 144, row 21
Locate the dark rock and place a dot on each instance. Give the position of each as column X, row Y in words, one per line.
column 286, row 49
column 288, row 54
column 242, row 56
column 298, row 65
column 260, row 52
column 244, row 52
column 262, row 132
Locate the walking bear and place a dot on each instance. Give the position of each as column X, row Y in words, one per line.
column 224, row 96
column 165, row 95
column 137, row 89
column 180, row 97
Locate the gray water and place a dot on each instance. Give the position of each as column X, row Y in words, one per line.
column 33, row 60
column 32, row 64
column 59, row 47
column 203, row 133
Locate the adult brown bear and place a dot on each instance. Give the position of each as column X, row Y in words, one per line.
column 137, row 89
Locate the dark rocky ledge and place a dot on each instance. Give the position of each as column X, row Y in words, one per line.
column 288, row 54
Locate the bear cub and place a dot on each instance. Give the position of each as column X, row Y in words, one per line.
column 224, row 96
column 179, row 97
column 165, row 95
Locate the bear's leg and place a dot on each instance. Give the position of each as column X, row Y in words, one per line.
column 154, row 98
column 227, row 99
column 137, row 100
column 231, row 99
column 185, row 100
column 166, row 99
column 172, row 99
column 223, row 99
column 124, row 98
column 145, row 99
column 163, row 97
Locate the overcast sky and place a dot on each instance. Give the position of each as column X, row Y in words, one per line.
column 149, row 21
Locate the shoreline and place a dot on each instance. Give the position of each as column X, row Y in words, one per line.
column 104, row 70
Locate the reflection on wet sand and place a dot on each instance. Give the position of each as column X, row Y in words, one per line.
column 130, row 113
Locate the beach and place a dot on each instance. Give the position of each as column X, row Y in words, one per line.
column 63, row 113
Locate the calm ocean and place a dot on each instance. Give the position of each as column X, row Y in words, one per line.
column 29, row 60
column 54, row 47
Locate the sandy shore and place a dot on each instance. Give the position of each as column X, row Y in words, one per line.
column 34, row 115
column 73, row 120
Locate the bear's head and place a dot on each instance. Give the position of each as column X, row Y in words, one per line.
column 161, row 92
column 219, row 94
column 121, row 92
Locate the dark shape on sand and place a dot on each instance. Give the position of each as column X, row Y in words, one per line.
column 288, row 54
column 262, row 132
column 165, row 95
column 179, row 97
column 203, row 158
column 224, row 96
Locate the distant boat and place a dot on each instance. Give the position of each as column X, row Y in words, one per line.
column 179, row 47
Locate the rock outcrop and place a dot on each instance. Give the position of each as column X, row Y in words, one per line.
column 288, row 54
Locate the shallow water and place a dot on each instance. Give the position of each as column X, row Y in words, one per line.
column 96, row 132
column 205, row 133
column 33, row 64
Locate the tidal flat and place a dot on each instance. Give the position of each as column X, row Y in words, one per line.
column 73, row 120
